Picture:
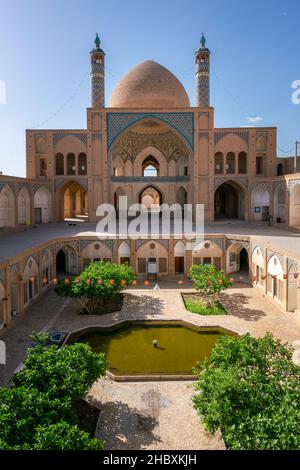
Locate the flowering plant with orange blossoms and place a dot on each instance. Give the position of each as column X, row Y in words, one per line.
column 97, row 283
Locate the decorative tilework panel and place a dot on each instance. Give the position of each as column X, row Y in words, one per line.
column 182, row 122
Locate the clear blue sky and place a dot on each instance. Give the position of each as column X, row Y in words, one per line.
column 44, row 56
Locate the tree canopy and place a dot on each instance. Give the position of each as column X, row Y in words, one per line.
column 250, row 391
column 37, row 412
column 209, row 281
column 97, row 283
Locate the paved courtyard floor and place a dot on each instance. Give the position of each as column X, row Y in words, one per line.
column 275, row 238
column 153, row 415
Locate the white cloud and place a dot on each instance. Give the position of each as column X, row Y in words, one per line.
column 254, row 118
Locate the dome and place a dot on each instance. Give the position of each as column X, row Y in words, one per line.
column 149, row 85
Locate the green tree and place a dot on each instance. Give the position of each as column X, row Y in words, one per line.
column 97, row 283
column 23, row 408
column 209, row 281
column 250, row 391
column 64, row 436
column 61, row 372
column 39, row 406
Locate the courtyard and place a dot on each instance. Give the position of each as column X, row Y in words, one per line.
column 149, row 415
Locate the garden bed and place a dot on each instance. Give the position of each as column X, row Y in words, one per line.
column 195, row 303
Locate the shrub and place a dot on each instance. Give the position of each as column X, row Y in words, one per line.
column 249, row 390
column 63, row 436
column 97, row 283
column 209, row 281
column 65, row 372
column 37, row 412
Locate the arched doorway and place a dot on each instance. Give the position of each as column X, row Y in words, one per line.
column 118, row 193
column 258, row 267
column 280, row 169
column 230, row 201
column 275, row 279
column 7, row 207
column 244, row 261
column 151, row 198
column 60, row 262
column 47, row 268
column 66, row 260
column 237, row 259
column 24, row 207
column 295, row 207
column 150, row 167
column 279, row 204
column 42, row 206
column 124, row 253
column 181, row 196
column 179, row 257
column 30, row 280
column 72, row 202
column 261, row 204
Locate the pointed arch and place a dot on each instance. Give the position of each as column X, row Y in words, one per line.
column 295, row 206
column 208, row 252
column 238, row 258
column 7, row 207
column 30, row 280
column 42, row 206
column 181, row 196
column 230, row 200
column 124, row 253
column 24, row 207
column 151, row 197
column 260, row 203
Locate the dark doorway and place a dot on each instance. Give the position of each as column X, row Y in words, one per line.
column 37, row 215
column 179, row 264
column 244, row 260
column 229, row 202
column 280, row 170
column 61, row 262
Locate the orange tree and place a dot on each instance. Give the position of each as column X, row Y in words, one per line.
column 209, row 281
column 97, row 283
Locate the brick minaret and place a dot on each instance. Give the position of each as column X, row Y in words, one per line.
column 202, row 75
column 97, row 75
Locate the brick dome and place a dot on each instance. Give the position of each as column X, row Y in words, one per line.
column 149, row 85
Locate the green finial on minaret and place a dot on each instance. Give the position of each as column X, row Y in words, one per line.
column 203, row 41
column 97, row 41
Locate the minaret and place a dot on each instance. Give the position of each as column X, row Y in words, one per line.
column 97, row 75
column 202, row 74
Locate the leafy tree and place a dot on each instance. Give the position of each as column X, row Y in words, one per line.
column 64, row 436
column 209, row 281
column 249, row 390
column 65, row 372
column 22, row 409
column 97, row 283
column 37, row 412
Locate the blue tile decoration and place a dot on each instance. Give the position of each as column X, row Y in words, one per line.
column 181, row 122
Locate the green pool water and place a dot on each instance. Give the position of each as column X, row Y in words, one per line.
column 130, row 349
